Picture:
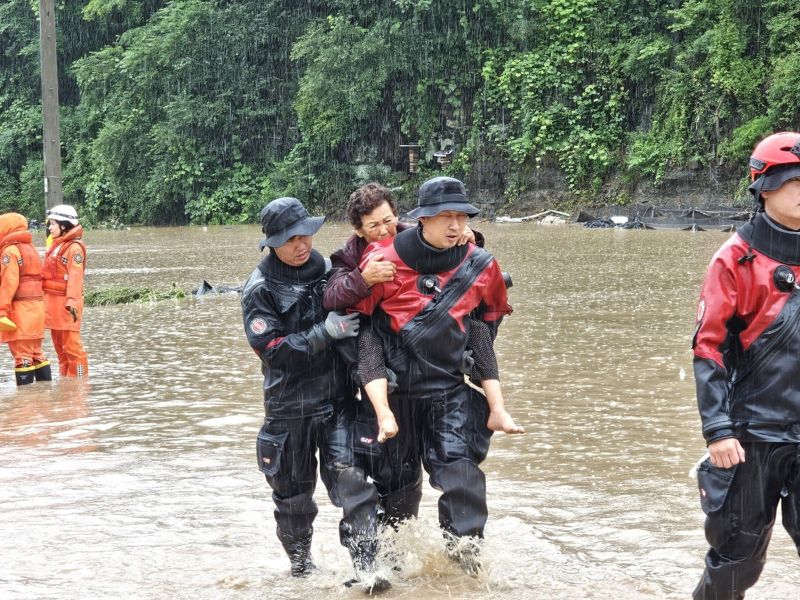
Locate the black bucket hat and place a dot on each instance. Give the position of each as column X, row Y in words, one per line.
column 286, row 217
column 773, row 179
column 440, row 194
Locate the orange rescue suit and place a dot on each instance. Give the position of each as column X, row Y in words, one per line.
column 20, row 274
column 62, row 275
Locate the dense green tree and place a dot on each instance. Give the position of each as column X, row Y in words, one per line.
column 718, row 96
column 189, row 111
column 202, row 110
column 21, row 168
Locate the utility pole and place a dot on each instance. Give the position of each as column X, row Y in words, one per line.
column 51, row 138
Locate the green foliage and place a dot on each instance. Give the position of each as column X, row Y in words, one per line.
column 185, row 108
column 201, row 111
column 783, row 96
column 347, row 69
column 744, row 138
column 238, row 199
column 717, row 82
column 565, row 102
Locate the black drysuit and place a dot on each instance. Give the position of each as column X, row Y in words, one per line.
column 307, row 396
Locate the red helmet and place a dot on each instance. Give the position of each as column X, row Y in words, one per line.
column 776, row 149
column 775, row 160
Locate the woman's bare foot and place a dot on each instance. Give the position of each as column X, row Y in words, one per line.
column 502, row 421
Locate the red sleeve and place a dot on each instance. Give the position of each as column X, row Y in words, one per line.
column 717, row 305
column 719, row 298
column 346, row 285
column 495, row 300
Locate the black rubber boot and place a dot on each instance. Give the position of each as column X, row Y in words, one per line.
column 364, row 555
column 42, row 371
column 298, row 549
column 24, row 375
column 466, row 552
column 358, row 529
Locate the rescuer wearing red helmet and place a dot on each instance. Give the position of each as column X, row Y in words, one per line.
column 21, row 302
column 62, row 282
column 746, row 345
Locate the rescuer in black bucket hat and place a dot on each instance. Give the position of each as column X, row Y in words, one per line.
column 284, row 218
column 440, row 194
column 308, row 393
column 746, row 345
column 420, row 323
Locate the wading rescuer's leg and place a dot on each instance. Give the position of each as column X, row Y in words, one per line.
column 286, row 455
column 57, row 336
column 78, row 361
column 22, row 351
column 41, row 366
column 42, row 371
column 790, row 504
column 72, row 358
column 398, row 473
column 455, row 442
column 394, row 465
column 358, row 528
column 740, row 514
column 401, row 504
column 349, row 489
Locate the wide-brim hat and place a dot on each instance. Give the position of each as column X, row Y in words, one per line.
column 440, row 194
column 284, row 218
column 773, row 179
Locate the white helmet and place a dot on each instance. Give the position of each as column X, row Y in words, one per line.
column 63, row 212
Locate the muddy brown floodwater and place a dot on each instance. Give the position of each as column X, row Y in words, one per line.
column 143, row 483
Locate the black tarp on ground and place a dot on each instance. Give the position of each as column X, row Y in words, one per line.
column 722, row 218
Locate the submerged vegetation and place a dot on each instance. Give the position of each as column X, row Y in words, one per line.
column 128, row 295
column 200, row 111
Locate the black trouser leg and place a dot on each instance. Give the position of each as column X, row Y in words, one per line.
column 358, row 528
column 462, row 505
column 400, row 478
column 349, row 489
column 286, row 453
column 790, row 503
column 739, row 532
column 394, row 465
column 298, row 549
column 402, row 504
column 455, row 442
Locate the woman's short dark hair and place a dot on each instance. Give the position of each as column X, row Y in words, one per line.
column 366, row 199
column 65, row 226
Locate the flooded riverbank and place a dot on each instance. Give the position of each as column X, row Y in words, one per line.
column 144, row 483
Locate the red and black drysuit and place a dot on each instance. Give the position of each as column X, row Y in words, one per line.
column 421, row 319
column 746, row 350
column 307, row 392
column 346, row 287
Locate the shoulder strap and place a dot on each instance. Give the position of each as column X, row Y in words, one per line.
column 458, row 285
column 68, row 244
